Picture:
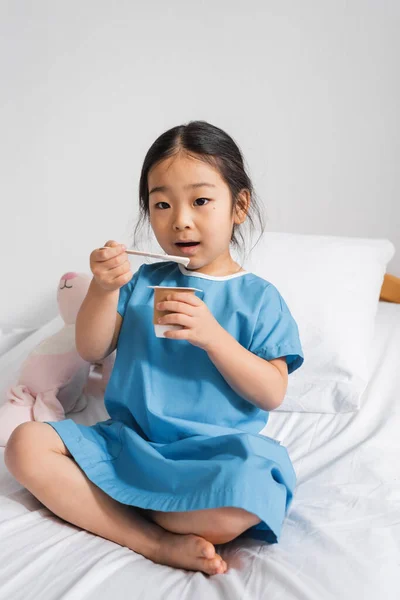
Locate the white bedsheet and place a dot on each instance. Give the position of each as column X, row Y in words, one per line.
column 341, row 538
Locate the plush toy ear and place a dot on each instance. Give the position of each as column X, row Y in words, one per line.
column 72, row 290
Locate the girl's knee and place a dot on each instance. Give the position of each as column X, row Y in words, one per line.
column 217, row 525
column 22, row 442
column 231, row 523
column 27, row 442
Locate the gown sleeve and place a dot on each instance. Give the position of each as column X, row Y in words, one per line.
column 125, row 292
column 276, row 334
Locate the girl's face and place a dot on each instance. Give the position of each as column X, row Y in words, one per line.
column 190, row 202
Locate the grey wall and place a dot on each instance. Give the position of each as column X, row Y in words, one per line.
column 309, row 90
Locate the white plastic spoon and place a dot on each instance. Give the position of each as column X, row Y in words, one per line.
column 178, row 259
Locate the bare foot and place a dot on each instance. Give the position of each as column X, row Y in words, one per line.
column 188, row 551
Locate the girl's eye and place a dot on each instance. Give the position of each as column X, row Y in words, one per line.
column 202, row 200
column 162, row 207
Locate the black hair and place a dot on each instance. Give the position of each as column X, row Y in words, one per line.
column 211, row 144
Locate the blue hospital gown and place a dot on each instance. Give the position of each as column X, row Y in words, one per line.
column 179, row 437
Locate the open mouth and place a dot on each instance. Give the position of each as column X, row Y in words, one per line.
column 187, row 247
column 186, row 244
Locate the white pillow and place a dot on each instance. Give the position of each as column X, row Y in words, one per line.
column 332, row 287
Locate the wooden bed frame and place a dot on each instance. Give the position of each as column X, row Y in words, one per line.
column 390, row 291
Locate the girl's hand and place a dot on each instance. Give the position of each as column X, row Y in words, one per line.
column 110, row 266
column 201, row 328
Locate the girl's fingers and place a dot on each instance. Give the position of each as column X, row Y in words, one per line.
column 119, row 270
column 176, row 307
column 110, row 274
column 185, row 297
column 188, row 298
column 107, row 252
column 116, row 261
column 110, row 266
column 122, row 279
column 177, row 334
column 115, row 254
column 114, row 278
column 176, row 319
column 106, row 269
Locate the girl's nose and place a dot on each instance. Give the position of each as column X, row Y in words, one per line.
column 178, row 227
column 181, row 220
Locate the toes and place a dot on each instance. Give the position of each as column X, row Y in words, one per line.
column 215, row 566
column 222, row 567
column 211, row 567
column 207, row 549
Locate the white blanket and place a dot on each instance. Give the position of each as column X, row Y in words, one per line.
column 340, row 540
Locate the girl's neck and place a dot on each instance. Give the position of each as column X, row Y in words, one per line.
column 222, row 266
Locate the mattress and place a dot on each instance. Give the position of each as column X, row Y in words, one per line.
column 340, row 539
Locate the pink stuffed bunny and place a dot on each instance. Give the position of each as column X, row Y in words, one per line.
column 53, row 376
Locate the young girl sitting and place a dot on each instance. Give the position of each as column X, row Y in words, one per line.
column 180, row 465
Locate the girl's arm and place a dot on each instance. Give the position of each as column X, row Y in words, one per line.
column 261, row 382
column 98, row 323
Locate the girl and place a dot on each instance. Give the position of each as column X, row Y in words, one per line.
column 180, row 465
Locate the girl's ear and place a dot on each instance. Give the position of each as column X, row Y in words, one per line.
column 241, row 207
